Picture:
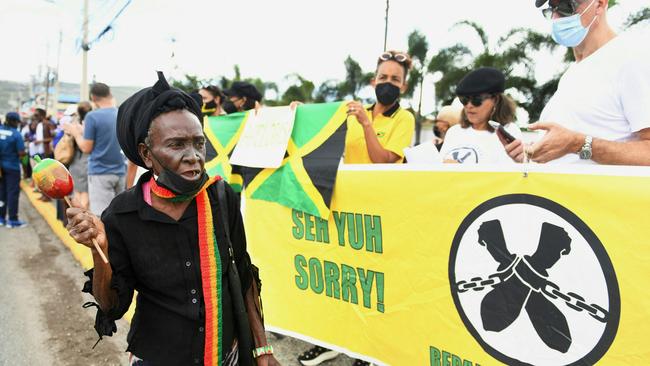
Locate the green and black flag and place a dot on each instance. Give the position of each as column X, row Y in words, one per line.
column 223, row 133
column 305, row 180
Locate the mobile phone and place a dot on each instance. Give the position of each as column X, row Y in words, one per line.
column 502, row 131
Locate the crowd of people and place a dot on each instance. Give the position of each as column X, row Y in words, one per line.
column 142, row 192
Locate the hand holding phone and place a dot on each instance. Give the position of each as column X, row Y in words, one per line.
column 502, row 132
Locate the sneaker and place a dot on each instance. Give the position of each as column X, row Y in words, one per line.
column 359, row 362
column 16, row 224
column 2, row 222
column 317, row 355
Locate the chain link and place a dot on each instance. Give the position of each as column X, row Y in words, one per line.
column 576, row 302
column 551, row 290
column 479, row 283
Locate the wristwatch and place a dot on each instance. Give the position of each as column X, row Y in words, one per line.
column 585, row 151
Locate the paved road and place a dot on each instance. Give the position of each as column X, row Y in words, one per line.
column 41, row 318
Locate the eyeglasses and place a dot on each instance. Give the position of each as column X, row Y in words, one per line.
column 399, row 57
column 476, row 100
column 563, row 8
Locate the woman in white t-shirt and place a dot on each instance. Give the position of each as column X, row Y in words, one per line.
column 474, row 141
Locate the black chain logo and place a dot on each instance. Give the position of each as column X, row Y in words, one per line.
column 463, row 154
column 520, row 303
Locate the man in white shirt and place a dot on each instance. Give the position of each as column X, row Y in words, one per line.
column 600, row 112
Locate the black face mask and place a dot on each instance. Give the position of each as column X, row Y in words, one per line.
column 209, row 107
column 436, row 131
column 386, row 93
column 177, row 184
column 229, row 107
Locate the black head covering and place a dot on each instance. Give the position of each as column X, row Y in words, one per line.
column 482, row 80
column 244, row 89
column 136, row 113
column 539, row 3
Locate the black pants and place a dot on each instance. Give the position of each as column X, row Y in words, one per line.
column 9, row 193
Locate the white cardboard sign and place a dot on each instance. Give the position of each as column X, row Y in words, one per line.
column 264, row 139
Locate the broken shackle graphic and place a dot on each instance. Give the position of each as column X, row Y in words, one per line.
column 522, row 283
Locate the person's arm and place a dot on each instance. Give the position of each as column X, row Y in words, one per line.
column 83, row 226
column 77, row 131
column 378, row 154
column 622, row 153
column 560, row 141
column 20, row 145
column 47, row 132
column 257, row 328
column 251, row 294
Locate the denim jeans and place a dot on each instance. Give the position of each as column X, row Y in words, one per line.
column 9, row 193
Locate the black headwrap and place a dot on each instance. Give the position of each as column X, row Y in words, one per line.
column 136, row 113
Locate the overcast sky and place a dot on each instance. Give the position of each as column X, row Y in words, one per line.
column 267, row 39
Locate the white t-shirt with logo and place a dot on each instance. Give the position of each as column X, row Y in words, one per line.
column 470, row 146
column 606, row 95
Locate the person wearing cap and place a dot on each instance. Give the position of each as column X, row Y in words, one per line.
column 474, row 140
column 600, row 111
column 177, row 238
column 242, row 96
column 12, row 148
column 379, row 133
column 448, row 117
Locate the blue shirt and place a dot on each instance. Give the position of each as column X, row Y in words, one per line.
column 106, row 157
column 11, row 143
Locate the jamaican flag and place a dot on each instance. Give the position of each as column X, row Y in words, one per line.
column 223, row 133
column 305, row 180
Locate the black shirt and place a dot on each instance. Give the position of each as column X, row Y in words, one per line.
column 159, row 257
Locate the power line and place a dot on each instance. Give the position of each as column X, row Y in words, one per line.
column 106, row 29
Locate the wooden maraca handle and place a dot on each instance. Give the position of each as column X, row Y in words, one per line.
column 99, row 250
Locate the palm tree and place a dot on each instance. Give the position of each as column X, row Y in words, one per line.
column 418, row 47
column 638, row 17
column 513, row 52
column 355, row 79
column 302, row 90
column 327, row 92
column 189, row 84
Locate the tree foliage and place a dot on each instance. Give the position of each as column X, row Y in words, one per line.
column 513, row 53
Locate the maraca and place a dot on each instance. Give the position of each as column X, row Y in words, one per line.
column 54, row 180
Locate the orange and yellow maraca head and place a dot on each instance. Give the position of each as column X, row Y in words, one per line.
column 52, row 178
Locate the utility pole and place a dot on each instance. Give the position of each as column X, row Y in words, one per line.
column 386, row 25
column 47, row 79
column 57, row 85
column 83, row 88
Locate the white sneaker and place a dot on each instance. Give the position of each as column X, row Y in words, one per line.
column 317, row 355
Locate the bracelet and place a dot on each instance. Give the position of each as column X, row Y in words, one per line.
column 261, row 351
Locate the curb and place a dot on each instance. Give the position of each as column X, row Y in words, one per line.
column 79, row 252
column 48, row 212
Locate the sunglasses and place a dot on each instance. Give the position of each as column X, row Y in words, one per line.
column 399, row 57
column 563, row 8
column 476, row 100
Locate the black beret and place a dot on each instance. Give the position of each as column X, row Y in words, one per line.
column 243, row 89
column 136, row 113
column 482, row 80
column 539, row 3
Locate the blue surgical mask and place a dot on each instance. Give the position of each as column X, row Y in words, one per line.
column 568, row 31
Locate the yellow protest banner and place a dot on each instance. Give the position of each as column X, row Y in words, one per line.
column 456, row 267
